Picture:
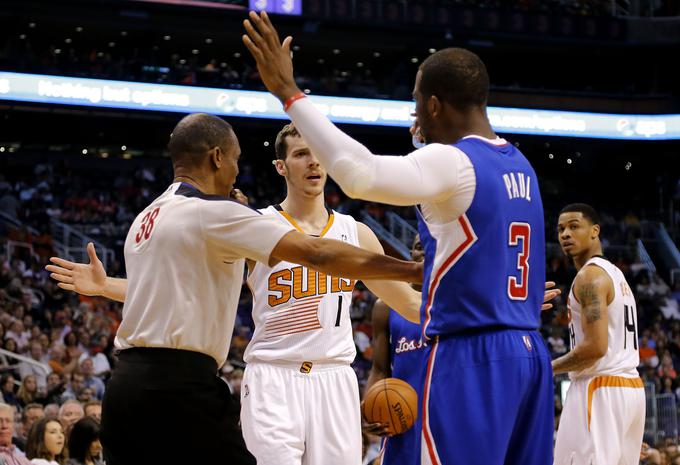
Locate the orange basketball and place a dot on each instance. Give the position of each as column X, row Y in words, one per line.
column 393, row 402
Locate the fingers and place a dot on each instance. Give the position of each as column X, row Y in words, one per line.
column 92, row 253
column 266, row 29
column 286, row 45
column 63, row 263
column 254, row 35
column 66, row 287
column 550, row 295
column 378, row 429
column 254, row 51
column 62, row 278
column 545, row 307
column 549, row 284
column 59, row 270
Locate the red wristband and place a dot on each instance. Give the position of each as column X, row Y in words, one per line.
column 292, row 99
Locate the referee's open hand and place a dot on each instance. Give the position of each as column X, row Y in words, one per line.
column 86, row 279
column 274, row 61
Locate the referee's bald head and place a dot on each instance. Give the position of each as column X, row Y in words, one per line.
column 195, row 135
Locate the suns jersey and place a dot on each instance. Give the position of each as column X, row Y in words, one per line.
column 622, row 355
column 300, row 314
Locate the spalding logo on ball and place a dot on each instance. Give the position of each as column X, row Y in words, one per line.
column 393, row 402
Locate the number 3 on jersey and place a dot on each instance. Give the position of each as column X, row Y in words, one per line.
column 518, row 289
column 146, row 227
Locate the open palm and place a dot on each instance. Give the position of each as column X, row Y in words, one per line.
column 86, row 279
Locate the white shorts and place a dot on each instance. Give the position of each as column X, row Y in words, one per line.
column 602, row 422
column 292, row 418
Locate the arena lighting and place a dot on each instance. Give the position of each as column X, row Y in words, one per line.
column 183, row 99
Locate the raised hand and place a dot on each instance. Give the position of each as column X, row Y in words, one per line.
column 274, row 61
column 86, row 279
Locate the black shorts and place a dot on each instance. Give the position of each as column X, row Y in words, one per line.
column 168, row 406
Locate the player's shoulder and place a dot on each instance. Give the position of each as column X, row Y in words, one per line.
column 343, row 216
column 436, row 148
column 269, row 210
column 593, row 275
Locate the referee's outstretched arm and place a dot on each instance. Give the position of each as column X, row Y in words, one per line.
column 326, row 255
column 336, row 258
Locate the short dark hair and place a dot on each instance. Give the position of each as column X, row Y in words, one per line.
column 586, row 210
column 84, row 432
column 456, row 76
column 197, row 133
column 281, row 144
column 28, row 407
column 35, row 443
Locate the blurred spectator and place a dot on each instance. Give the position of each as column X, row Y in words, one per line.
column 45, row 443
column 28, row 391
column 9, row 453
column 84, row 445
column 74, row 387
column 30, row 414
column 60, row 362
column 69, row 413
column 39, row 369
column 90, row 380
column 101, row 366
column 648, row 355
column 7, row 389
column 52, row 410
column 93, row 409
column 666, row 369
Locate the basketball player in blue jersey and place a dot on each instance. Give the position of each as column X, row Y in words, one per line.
column 487, row 390
column 397, row 353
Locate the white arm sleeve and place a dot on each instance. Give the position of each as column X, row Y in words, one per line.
column 429, row 174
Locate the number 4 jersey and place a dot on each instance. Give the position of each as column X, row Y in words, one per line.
column 622, row 355
column 302, row 315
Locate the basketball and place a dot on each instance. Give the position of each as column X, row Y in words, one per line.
column 393, row 402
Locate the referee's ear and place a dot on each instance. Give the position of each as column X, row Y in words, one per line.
column 216, row 157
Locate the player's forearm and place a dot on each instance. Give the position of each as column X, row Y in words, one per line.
column 399, row 297
column 339, row 259
column 580, row 358
column 115, row 289
column 376, row 375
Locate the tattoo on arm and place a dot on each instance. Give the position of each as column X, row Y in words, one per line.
column 590, row 302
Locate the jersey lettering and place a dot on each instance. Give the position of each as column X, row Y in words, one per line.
column 300, row 282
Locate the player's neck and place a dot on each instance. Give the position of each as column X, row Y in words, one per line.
column 462, row 124
column 582, row 259
column 306, row 211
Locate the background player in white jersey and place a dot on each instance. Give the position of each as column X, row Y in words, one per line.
column 300, row 398
column 603, row 419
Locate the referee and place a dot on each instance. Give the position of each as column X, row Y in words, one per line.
column 184, row 257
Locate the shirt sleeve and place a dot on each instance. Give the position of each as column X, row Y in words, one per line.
column 429, row 174
column 237, row 231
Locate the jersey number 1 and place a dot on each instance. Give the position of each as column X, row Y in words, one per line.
column 518, row 289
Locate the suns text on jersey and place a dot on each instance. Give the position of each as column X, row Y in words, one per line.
column 287, row 283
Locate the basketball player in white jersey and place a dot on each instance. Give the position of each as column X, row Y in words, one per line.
column 603, row 419
column 300, row 397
